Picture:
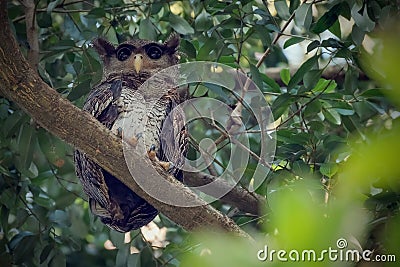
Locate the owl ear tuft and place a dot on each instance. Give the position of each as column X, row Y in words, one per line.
column 172, row 43
column 103, row 47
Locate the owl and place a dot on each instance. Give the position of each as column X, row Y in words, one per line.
column 114, row 100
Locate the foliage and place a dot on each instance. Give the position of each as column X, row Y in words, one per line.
column 336, row 136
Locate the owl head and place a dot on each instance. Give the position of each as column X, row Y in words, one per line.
column 141, row 58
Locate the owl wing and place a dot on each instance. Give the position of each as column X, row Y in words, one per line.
column 173, row 137
column 101, row 103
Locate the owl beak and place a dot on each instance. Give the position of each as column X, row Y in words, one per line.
column 138, row 62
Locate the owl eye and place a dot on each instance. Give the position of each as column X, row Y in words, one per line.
column 123, row 53
column 154, row 52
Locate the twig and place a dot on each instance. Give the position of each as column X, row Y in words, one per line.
column 32, row 34
column 266, row 53
column 58, row 178
column 307, row 103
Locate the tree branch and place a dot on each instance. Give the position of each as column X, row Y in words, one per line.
column 21, row 84
column 238, row 197
column 31, row 32
column 329, row 73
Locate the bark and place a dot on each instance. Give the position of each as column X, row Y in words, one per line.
column 21, row 84
column 238, row 197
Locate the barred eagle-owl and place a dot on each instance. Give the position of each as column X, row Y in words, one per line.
column 125, row 68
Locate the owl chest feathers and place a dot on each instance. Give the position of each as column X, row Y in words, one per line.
column 140, row 118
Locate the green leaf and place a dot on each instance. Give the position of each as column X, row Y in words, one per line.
column 58, row 260
column 357, row 35
column 44, row 20
column 180, row 25
column 21, row 217
column 312, row 109
column 13, row 123
column 22, row 246
column 330, row 17
column 231, row 23
column 282, row 9
column 303, row 16
column 45, row 253
column 134, row 260
column 26, row 143
column 147, row 30
column 343, row 108
column 285, row 76
column 44, row 201
column 79, row 90
column 206, row 50
column 271, row 83
column 373, row 93
column 364, row 110
column 122, row 256
column 362, row 20
column 263, row 34
column 111, row 35
column 332, row 142
column 96, row 13
column 281, row 104
column 156, row 7
column 292, row 41
column 188, row 48
column 5, row 212
column 60, row 218
column 203, row 21
column 329, row 169
column 294, row 4
column 345, row 53
column 311, row 78
column 117, row 238
column 62, row 45
column 89, row 61
column 52, row 5
column 335, row 29
column 325, row 85
column 331, row 42
column 256, row 76
column 332, row 116
column 374, row 10
column 146, row 257
column 300, row 168
column 305, row 67
column 53, row 148
column 313, row 45
column 4, row 106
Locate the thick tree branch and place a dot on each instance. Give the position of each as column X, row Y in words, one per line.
column 20, row 83
column 237, row 196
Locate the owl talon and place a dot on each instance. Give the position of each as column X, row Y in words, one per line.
column 152, row 153
column 166, row 165
column 119, row 132
column 153, row 157
column 135, row 139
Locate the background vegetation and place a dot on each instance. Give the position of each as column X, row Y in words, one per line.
column 328, row 71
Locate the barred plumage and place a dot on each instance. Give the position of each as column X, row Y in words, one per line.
column 112, row 101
